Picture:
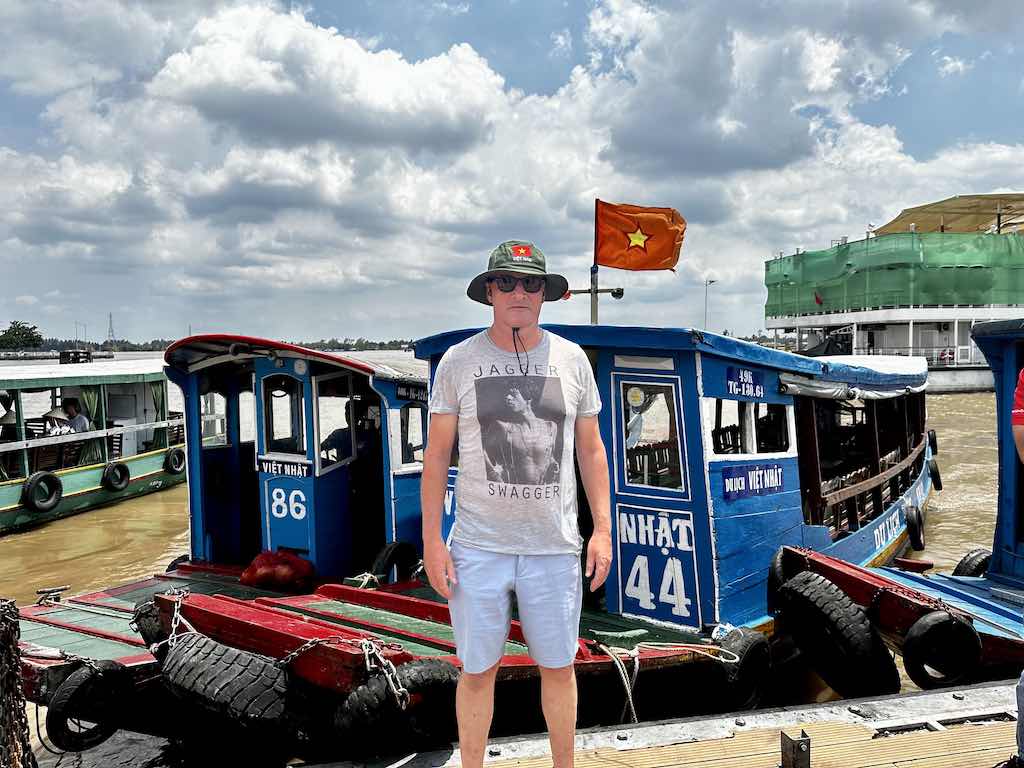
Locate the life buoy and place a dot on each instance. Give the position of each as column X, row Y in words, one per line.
column 941, row 649
column 174, row 461
column 399, row 555
column 91, row 693
column 746, row 679
column 371, row 720
column 834, row 634
column 42, row 492
column 974, row 563
column 116, row 476
column 933, row 472
column 173, row 565
column 933, row 442
column 915, row 526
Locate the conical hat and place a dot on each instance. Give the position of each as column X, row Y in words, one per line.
column 56, row 413
column 8, row 418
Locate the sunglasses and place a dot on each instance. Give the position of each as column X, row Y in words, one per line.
column 507, row 283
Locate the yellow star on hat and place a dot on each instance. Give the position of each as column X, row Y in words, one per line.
column 637, row 239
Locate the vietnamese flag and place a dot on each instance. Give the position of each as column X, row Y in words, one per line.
column 635, row 237
column 817, row 299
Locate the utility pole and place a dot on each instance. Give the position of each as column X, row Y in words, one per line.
column 706, row 284
column 110, row 331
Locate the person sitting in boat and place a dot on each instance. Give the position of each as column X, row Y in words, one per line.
column 517, row 397
column 77, row 420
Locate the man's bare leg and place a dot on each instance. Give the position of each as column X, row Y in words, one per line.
column 474, row 706
column 558, row 700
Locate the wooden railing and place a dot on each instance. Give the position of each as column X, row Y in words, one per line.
column 865, row 500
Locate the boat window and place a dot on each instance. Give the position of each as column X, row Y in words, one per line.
column 246, row 416
column 334, row 416
column 283, row 414
column 214, row 420
column 650, row 434
column 771, row 427
column 413, row 417
column 729, row 434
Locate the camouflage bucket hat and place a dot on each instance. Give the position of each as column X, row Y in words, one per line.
column 518, row 257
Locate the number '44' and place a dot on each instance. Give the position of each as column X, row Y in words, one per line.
column 672, row 592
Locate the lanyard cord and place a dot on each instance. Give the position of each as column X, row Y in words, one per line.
column 516, row 341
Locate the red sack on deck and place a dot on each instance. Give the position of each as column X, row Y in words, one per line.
column 280, row 571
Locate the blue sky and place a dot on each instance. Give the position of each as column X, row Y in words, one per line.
column 343, row 168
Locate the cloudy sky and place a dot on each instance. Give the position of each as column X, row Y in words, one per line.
column 343, row 168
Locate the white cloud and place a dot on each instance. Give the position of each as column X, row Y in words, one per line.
column 951, row 65
column 455, row 9
column 26, row 301
column 561, row 43
column 242, row 168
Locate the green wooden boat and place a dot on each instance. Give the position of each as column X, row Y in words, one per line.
column 126, row 444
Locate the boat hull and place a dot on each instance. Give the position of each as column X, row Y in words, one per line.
column 83, row 490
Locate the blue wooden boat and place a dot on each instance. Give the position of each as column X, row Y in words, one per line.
column 722, row 452
column 964, row 625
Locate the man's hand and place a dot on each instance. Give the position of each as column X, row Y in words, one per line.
column 599, row 558
column 437, row 561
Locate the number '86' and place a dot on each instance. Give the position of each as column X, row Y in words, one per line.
column 295, row 504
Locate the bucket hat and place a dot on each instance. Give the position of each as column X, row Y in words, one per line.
column 517, row 257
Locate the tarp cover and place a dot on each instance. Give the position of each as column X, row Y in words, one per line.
column 961, row 213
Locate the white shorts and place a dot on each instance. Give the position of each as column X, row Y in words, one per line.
column 549, row 595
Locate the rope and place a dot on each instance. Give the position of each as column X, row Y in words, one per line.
column 15, row 744
column 722, row 655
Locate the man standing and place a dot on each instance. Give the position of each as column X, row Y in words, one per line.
column 518, row 398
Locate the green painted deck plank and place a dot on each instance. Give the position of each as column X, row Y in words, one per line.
column 73, row 642
column 81, row 618
column 199, row 586
column 398, row 621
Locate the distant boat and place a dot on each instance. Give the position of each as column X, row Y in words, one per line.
column 47, row 471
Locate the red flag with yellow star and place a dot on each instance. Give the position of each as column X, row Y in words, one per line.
column 635, row 237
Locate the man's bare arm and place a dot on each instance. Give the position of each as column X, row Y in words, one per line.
column 433, row 484
column 594, row 470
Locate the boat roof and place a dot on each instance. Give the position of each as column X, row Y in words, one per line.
column 867, row 371
column 1007, row 328
column 195, row 353
column 52, row 375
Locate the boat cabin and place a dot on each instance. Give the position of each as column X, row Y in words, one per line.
column 722, row 451
column 124, row 402
column 311, row 452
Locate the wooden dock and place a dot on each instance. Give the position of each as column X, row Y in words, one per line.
column 972, row 727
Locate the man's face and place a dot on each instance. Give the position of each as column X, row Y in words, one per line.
column 70, row 410
column 515, row 400
column 518, row 308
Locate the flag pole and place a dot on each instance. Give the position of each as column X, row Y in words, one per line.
column 593, row 273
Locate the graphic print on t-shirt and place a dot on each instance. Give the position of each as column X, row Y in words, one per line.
column 521, row 419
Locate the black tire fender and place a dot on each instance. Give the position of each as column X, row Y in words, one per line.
column 777, row 576
column 116, row 476
column 246, row 687
column 173, row 565
column 401, row 555
column 747, row 678
column 915, row 526
column 93, row 691
column 836, row 637
column 372, row 722
column 146, row 619
column 42, row 491
column 174, row 460
column 933, row 472
column 974, row 563
column 941, row 649
column 933, row 442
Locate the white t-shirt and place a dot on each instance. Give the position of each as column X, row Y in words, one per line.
column 80, row 423
column 516, row 489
